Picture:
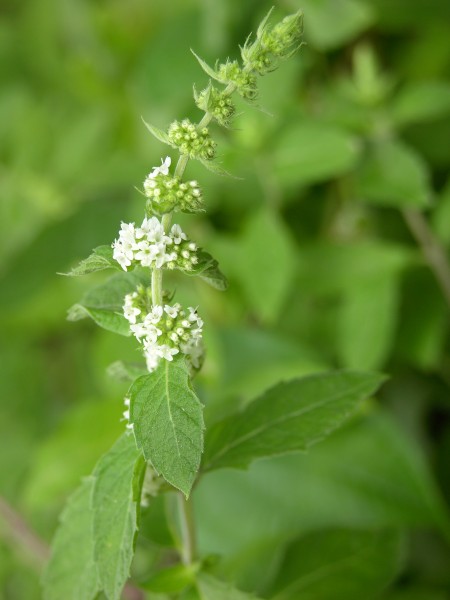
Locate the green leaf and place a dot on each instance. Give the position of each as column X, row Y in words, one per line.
column 208, row 70
column 266, row 263
column 311, row 152
column 289, row 417
column 172, row 580
column 100, row 259
column 168, row 423
column 333, row 23
column 367, row 323
column 58, row 464
column 210, row 588
column 158, row 134
column 103, row 303
column 421, row 101
column 217, row 169
column 340, row 563
column 392, row 174
column 208, row 269
column 126, row 371
column 441, row 216
column 103, row 318
column 115, row 504
column 71, row 572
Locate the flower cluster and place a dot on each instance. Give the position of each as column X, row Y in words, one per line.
column 280, row 42
column 149, row 246
column 245, row 82
column 196, row 143
column 166, row 193
column 165, row 331
column 217, row 103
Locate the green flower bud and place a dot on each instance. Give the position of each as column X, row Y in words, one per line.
column 245, row 82
column 196, row 144
column 217, row 103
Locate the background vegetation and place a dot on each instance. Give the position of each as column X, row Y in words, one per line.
column 334, row 244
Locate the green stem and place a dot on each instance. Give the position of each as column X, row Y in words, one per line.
column 187, row 530
column 157, row 287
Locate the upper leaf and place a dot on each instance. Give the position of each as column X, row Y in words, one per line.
column 71, row 572
column 167, row 422
column 115, row 504
column 290, row 416
column 100, row 259
column 208, row 70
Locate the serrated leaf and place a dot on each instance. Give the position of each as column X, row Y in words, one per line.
column 115, row 504
column 158, row 133
column 207, row 268
column 100, row 259
column 339, row 563
column 210, row 588
column 103, row 303
column 392, row 174
column 168, row 422
column 289, row 417
column 71, row 572
column 208, row 70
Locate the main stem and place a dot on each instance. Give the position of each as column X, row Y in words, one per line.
column 187, row 529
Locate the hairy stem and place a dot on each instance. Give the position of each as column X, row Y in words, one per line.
column 432, row 250
column 187, row 530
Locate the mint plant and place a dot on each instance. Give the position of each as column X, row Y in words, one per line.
column 164, row 448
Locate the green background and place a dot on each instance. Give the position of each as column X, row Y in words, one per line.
column 324, row 271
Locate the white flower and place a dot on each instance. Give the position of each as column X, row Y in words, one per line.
column 130, row 311
column 172, row 311
column 163, row 169
column 167, row 352
column 177, row 234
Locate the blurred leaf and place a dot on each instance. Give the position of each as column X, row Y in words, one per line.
column 392, row 174
column 265, row 264
column 421, row 101
column 103, row 303
column 254, row 359
column 211, row 588
column 368, row 319
column 327, row 267
column 62, row 459
column 331, row 23
column 172, row 580
column 126, row 371
column 168, row 423
column 107, row 319
column 311, row 152
column 115, row 500
column 100, row 259
column 71, row 572
column 340, row 563
column 289, row 417
column 208, row 269
column 368, row 474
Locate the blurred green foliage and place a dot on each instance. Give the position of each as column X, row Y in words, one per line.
column 324, row 272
